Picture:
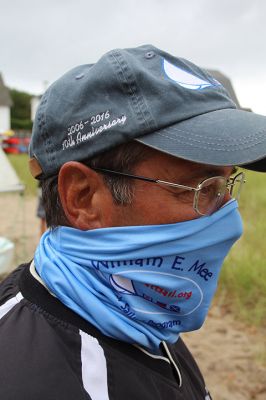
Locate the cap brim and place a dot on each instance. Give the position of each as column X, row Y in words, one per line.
column 222, row 137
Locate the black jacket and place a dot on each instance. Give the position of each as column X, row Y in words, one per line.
column 48, row 352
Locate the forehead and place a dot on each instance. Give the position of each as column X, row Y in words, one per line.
column 162, row 164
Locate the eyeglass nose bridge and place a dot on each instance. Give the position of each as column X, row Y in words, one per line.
column 230, row 186
column 240, row 179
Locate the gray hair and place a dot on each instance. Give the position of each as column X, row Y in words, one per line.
column 123, row 158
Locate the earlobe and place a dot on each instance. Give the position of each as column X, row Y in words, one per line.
column 78, row 188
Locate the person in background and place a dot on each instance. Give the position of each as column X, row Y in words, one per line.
column 40, row 212
column 137, row 157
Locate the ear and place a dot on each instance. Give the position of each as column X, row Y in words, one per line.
column 83, row 195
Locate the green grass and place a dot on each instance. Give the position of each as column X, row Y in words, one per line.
column 20, row 163
column 242, row 285
column 243, row 280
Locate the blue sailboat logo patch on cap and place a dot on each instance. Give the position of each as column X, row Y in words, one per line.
column 122, row 285
column 186, row 79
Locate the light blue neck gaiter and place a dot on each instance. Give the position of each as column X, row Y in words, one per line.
column 140, row 284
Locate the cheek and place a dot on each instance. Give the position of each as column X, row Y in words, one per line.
column 154, row 207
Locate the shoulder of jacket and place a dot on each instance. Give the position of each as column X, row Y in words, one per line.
column 9, row 286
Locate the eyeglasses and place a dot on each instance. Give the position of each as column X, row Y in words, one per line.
column 206, row 198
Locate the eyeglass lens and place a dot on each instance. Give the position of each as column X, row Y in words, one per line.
column 212, row 191
column 211, row 195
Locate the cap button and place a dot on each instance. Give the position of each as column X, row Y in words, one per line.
column 149, row 54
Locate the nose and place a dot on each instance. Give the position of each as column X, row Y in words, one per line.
column 227, row 197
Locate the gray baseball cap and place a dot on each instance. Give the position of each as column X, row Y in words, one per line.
column 148, row 95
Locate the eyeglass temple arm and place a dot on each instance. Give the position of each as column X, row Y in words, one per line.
column 143, row 178
column 177, row 185
column 109, row 171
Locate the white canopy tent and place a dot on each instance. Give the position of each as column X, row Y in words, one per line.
column 9, row 181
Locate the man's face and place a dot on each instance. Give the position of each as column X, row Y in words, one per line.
column 156, row 204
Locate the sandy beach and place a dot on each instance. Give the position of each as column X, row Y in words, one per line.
column 230, row 354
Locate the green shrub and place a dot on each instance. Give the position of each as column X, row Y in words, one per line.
column 21, row 124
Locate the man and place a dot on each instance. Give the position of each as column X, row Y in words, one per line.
column 40, row 213
column 136, row 156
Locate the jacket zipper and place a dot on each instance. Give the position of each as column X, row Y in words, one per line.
column 168, row 358
column 172, row 362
